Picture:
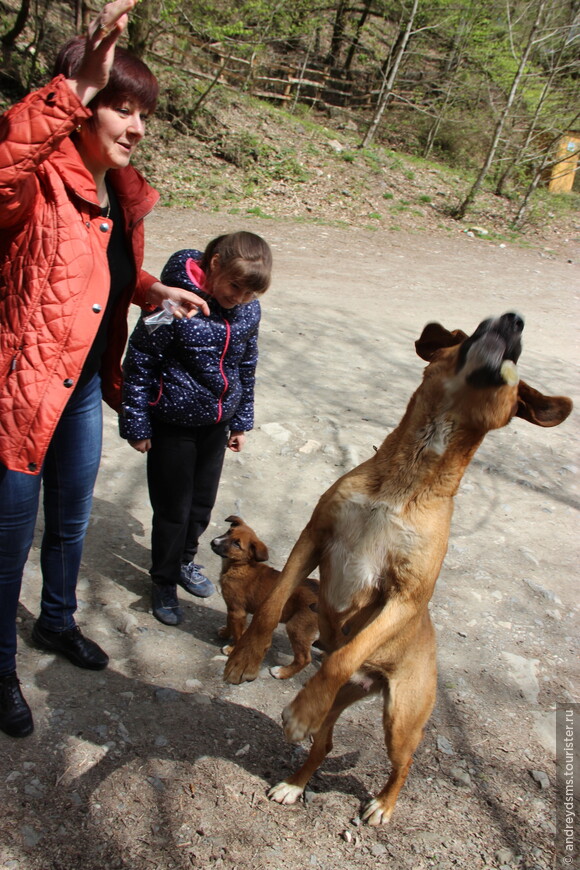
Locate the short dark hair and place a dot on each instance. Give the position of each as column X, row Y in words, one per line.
column 130, row 78
column 244, row 257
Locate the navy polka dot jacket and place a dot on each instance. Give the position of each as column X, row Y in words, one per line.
column 191, row 372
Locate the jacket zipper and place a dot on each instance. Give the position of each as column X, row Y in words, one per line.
column 223, row 374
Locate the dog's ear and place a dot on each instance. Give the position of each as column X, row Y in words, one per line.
column 235, row 521
column 260, row 551
column 541, row 410
column 434, row 337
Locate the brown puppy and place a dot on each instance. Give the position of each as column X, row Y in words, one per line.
column 246, row 583
column 379, row 535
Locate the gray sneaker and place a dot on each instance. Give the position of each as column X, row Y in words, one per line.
column 194, row 582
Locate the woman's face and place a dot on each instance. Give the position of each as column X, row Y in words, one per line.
column 108, row 142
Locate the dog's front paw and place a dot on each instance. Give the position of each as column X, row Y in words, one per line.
column 227, row 650
column 375, row 813
column 297, row 724
column 242, row 665
column 284, row 793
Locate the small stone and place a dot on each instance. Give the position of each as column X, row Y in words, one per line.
column 541, row 778
column 30, row 836
column 443, row 745
column 377, row 850
column 460, row 776
column 505, row 856
column 193, row 684
column 346, row 836
column 276, row 432
column 310, row 447
column 243, row 751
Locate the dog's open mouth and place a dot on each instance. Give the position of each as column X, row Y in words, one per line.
column 488, row 358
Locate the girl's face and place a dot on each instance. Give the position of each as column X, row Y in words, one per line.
column 226, row 292
column 108, row 142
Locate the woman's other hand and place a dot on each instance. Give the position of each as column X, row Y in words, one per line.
column 103, row 33
column 188, row 303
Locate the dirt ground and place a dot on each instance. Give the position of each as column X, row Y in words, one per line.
column 158, row 763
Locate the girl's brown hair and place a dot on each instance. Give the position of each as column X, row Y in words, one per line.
column 130, row 78
column 245, row 257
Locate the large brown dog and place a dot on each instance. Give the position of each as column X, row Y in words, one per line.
column 379, row 535
column 246, row 582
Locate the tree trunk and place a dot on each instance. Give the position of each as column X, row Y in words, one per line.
column 338, row 32
column 356, row 38
column 461, row 210
column 9, row 39
column 140, row 27
column 387, row 88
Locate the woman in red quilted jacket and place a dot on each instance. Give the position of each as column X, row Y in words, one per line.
column 71, row 255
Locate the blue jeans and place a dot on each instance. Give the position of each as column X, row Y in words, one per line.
column 68, row 478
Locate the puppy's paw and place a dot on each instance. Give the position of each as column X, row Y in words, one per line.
column 284, row 793
column 223, row 632
column 281, row 672
column 375, row 814
column 227, row 650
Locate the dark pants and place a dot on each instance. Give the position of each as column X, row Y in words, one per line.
column 67, row 478
column 183, row 473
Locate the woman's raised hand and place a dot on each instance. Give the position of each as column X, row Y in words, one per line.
column 103, row 33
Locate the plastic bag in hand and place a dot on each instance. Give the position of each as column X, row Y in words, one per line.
column 162, row 317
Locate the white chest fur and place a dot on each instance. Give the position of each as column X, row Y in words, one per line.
column 368, row 537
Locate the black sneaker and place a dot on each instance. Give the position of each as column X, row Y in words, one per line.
column 77, row 648
column 15, row 715
column 165, row 604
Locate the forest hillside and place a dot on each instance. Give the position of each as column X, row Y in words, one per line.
column 414, row 115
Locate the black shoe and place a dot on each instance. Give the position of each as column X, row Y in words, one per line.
column 165, row 604
column 81, row 651
column 15, row 715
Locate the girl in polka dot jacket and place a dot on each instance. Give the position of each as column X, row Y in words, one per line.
column 188, row 394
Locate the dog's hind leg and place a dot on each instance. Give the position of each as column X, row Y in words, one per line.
column 300, row 636
column 409, row 701
column 288, row 791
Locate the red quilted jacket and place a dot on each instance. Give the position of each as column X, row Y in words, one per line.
column 54, row 274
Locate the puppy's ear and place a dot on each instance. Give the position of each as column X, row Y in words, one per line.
column 539, row 409
column 235, row 521
column 260, row 550
column 434, row 337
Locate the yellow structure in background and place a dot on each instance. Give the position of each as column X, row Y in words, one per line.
column 564, row 170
